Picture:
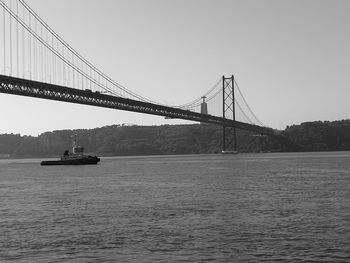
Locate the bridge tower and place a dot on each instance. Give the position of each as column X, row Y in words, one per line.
column 229, row 135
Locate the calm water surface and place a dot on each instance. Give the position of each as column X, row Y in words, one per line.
column 205, row 208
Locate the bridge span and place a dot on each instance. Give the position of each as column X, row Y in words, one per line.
column 30, row 88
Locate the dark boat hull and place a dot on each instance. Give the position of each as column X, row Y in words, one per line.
column 84, row 161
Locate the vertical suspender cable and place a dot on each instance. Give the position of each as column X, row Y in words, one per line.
column 63, row 69
column 70, row 69
column 49, row 58
column 23, row 46
column 50, row 61
column 41, row 55
column 35, row 54
column 53, row 61
column 30, row 48
column 17, row 53
column 58, row 66
column 45, row 59
column 89, row 81
column 4, row 31
column 10, row 40
column 82, row 68
column 73, row 71
column 59, row 79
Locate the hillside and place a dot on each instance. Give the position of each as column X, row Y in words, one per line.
column 119, row 140
column 126, row 140
column 321, row 136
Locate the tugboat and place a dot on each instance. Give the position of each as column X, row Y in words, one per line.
column 77, row 157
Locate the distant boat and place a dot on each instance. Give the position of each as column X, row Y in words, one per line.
column 77, row 157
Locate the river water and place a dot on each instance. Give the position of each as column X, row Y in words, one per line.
column 198, row 208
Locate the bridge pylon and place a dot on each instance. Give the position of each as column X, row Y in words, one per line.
column 229, row 134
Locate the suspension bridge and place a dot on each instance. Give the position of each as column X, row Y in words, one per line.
column 37, row 62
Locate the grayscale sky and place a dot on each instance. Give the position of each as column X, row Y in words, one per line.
column 291, row 58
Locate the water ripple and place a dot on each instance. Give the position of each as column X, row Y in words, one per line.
column 178, row 209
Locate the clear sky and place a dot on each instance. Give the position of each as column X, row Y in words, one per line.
column 290, row 58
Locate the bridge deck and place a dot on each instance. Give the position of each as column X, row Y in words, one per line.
column 23, row 87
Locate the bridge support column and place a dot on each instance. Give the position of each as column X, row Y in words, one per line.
column 229, row 134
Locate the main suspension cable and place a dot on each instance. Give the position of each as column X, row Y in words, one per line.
column 90, row 65
column 253, row 114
